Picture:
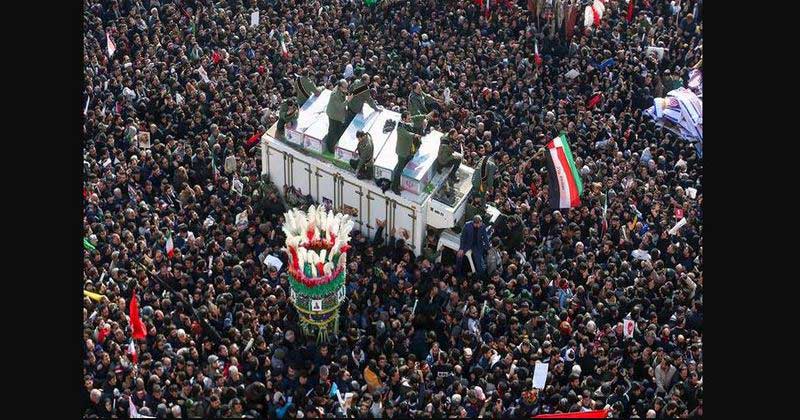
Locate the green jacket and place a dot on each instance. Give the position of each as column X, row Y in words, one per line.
column 365, row 150
column 483, row 177
column 361, row 94
column 408, row 139
column 304, row 88
column 417, row 102
column 284, row 114
column 445, row 150
column 337, row 106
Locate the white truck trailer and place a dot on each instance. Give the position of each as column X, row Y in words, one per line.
column 301, row 162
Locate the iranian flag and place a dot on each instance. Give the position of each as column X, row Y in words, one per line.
column 564, row 179
column 536, row 57
column 170, row 246
column 284, row 51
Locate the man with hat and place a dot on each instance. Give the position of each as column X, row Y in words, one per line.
column 337, row 115
column 360, row 94
column 288, row 114
column 304, row 87
column 365, row 149
column 408, row 142
column 447, row 156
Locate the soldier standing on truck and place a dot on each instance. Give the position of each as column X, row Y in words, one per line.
column 287, row 114
column 408, row 142
column 304, row 87
column 365, row 149
column 337, row 115
column 360, row 94
column 447, row 156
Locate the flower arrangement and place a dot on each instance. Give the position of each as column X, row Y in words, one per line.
column 317, row 244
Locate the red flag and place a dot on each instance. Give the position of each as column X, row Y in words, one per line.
column 101, row 335
column 253, row 140
column 136, row 322
column 629, row 18
column 595, row 414
column 572, row 16
column 536, row 57
column 216, row 57
column 595, row 17
column 594, row 101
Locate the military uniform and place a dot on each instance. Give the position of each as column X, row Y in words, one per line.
column 447, row 156
column 408, row 142
column 363, row 165
column 304, row 88
column 285, row 116
column 361, row 94
column 337, row 114
column 483, row 178
column 417, row 103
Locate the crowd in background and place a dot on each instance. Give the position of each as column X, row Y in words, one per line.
column 167, row 121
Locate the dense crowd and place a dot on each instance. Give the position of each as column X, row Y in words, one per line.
column 166, row 125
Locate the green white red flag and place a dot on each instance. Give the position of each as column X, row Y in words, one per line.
column 564, row 179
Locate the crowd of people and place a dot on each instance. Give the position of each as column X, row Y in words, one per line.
column 167, row 120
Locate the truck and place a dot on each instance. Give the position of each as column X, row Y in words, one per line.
column 300, row 163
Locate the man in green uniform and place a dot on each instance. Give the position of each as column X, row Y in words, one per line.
column 287, row 114
column 418, row 100
column 365, row 149
column 408, row 142
column 360, row 94
column 304, row 87
column 337, row 114
column 447, row 155
column 483, row 178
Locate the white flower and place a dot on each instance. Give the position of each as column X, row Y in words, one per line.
column 301, row 258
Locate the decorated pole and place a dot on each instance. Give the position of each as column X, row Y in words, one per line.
column 317, row 244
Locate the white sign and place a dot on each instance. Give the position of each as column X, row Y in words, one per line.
column 677, row 226
column 658, row 52
column 203, row 74
column 255, row 18
column 316, row 305
column 241, row 220
column 628, row 326
column 540, row 375
column 272, row 261
column 572, row 74
column 237, row 187
column 692, row 192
